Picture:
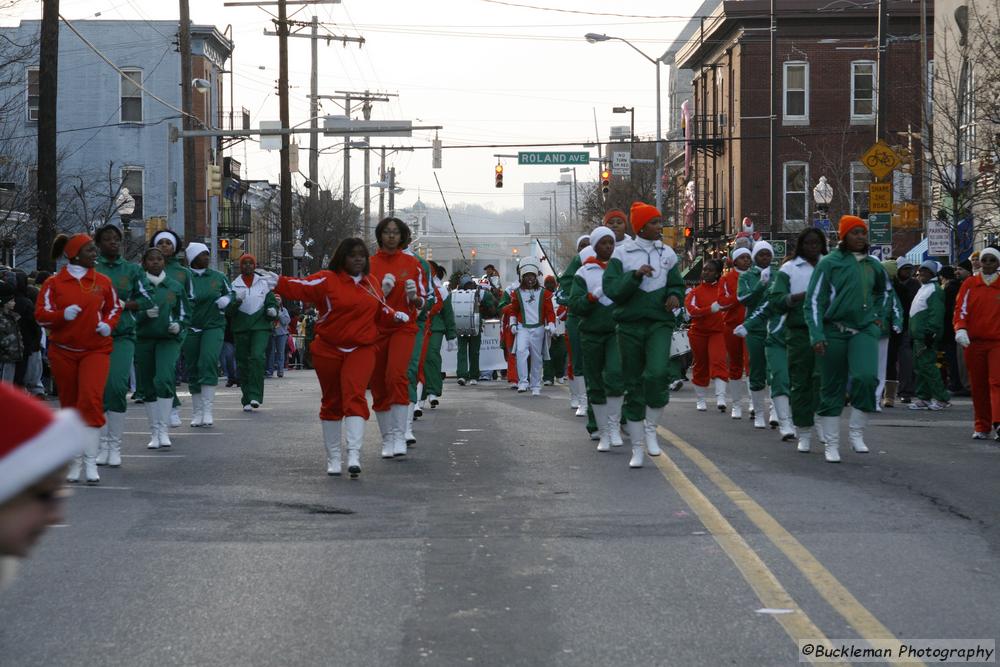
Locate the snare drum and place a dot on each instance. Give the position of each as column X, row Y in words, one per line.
column 679, row 344
column 465, row 303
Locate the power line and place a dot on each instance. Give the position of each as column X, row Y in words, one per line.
column 586, row 13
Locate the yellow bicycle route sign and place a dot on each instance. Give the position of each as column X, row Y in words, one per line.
column 880, row 159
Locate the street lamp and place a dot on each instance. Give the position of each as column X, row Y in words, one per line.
column 823, row 195
column 298, row 252
column 574, row 201
column 593, row 38
column 125, row 205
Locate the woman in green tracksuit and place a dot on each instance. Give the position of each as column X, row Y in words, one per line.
column 843, row 307
column 442, row 328
column 598, row 339
column 126, row 278
column 926, row 330
column 168, row 243
column 255, row 310
column 647, row 288
column 158, row 344
column 750, row 291
column 210, row 296
column 578, row 384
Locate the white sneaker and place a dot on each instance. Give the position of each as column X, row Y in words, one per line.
column 247, row 408
column 918, row 404
column 432, row 400
column 676, row 385
column 979, row 435
column 938, row 405
column 536, row 392
column 254, row 404
column 522, row 389
column 582, row 410
column 473, row 382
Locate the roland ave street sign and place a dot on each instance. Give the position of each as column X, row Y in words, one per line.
column 553, row 157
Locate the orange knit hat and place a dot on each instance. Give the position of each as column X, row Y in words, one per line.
column 75, row 245
column 642, row 213
column 614, row 213
column 849, row 222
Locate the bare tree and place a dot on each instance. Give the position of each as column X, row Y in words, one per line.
column 326, row 227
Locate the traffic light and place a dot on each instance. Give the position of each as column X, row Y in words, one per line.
column 224, row 245
column 499, row 170
column 213, row 179
column 688, row 232
column 605, row 181
column 473, row 253
column 237, row 247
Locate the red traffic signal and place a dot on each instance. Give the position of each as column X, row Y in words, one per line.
column 688, row 231
column 605, row 181
column 499, row 177
column 223, row 244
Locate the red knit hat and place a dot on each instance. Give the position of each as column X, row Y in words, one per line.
column 642, row 213
column 614, row 213
column 75, row 245
column 247, row 255
column 34, row 441
column 849, row 222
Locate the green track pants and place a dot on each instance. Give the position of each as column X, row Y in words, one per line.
column 803, row 376
column 156, row 367
column 116, row 389
column 554, row 367
column 575, row 345
column 777, row 368
column 930, row 385
column 603, row 361
column 645, row 351
column 433, row 383
column 853, row 356
column 758, row 361
column 251, row 349
column 468, row 357
column 413, row 370
column 201, row 357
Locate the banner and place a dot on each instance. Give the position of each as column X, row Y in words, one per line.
column 490, row 352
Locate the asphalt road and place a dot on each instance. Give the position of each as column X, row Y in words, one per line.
column 504, row 538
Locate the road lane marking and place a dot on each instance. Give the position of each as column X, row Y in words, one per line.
column 836, row 594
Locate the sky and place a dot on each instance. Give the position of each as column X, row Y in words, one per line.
column 487, row 71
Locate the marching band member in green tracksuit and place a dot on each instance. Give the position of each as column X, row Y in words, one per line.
column 126, row 278
column 210, row 296
column 442, row 328
column 168, row 243
column 251, row 326
column 926, row 329
column 415, row 367
column 577, row 384
column 643, row 281
column 843, row 305
column 602, row 356
column 750, row 291
column 158, row 345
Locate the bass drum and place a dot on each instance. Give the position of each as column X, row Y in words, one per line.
column 679, row 344
column 465, row 303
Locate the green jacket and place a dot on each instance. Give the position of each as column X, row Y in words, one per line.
column 596, row 317
column 444, row 321
column 845, row 293
column 892, row 312
column 751, row 291
column 566, row 281
column 205, row 290
column 179, row 272
column 643, row 298
column 169, row 296
column 126, row 279
column 927, row 314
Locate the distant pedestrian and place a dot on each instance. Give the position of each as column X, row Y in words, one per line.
column 899, row 373
column 11, row 343
column 253, row 326
column 278, row 349
column 927, row 330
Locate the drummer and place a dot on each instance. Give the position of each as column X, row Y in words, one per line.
column 469, row 327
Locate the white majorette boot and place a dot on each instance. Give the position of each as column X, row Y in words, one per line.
column 197, row 410
column 581, row 411
column 163, row 407
column 174, row 420
column 354, row 432
column 102, row 444
column 784, row 410
column 411, row 413
column 772, row 418
column 636, row 433
column 385, row 430
column 90, row 456
column 818, row 424
column 856, row 431
column 432, row 400
column 331, row 440
column 207, row 404
column 399, row 414
column 574, row 396
column 418, row 407
column 153, row 415
column 831, row 431
column 614, row 420
column 700, row 404
column 601, row 417
column 758, row 400
column 75, row 468
column 115, row 428
column 720, row 393
column 649, row 428
column 735, row 396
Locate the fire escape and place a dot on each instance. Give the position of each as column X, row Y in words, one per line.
column 707, row 145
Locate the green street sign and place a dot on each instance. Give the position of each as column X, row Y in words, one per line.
column 880, row 228
column 553, row 157
column 780, row 250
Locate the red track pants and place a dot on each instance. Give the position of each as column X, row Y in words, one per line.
column 344, row 378
column 389, row 383
column 710, row 357
column 80, row 379
column 983, row 361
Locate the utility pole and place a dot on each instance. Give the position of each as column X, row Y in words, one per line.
column 47, row 180
column 287, row 233
column 190, row 179
column 366, row 109
column 381, row 191
column 392, row 191
column 347, row 161
column 880, row 98
column 772, row 212
column 314, row 123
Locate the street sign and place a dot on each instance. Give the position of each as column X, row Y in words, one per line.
column 553, row 157
column 938, row 238
column 621, row 163
column 880, row 159
column 880, row 252
column 271, row 142
column 780, row 250
column 880, row 197
column 880, row 228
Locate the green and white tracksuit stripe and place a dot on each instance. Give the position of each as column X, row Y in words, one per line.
column 926, row 330
column 126, row 279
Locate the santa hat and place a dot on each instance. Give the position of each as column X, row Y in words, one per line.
column 641, row 213
column 34, row 442
column 849, row 222
column 195, row 249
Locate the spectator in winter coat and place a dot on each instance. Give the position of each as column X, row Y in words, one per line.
column 279, row 341
column 951, row 284
column 29, row 371
column 11, row 345
column 899, row 376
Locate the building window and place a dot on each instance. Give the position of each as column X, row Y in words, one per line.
column 796, row 86
column 863, row 102
column 796, row 188
column 861, row 178
column 31, row 83
column 131, row 96
column 132, row 179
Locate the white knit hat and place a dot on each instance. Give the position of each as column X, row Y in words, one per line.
column 599, row 233
column 528, row 266
column 194, row 249
column 761, row 245
column 739, row 252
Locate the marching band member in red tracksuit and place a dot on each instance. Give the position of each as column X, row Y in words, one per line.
column 79, row 308
column 402, row 283
column 735, row 314
column 977, row 329
column 350, row 315
column 708, row 336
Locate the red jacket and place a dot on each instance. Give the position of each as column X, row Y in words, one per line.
column 349, row 314
column 699, row 304
column 977, row 309
column 735, row 312
column 94, row 294
column 404, row 267
column 548, row 313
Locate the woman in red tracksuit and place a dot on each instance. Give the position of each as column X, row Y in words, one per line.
column 977, row 329
column 707, row 336
column 79, row 308
column 402, row 283
column 350, row 310
column 736, row 347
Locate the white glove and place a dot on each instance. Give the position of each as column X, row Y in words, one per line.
column 271, row 312
column 962, row 338
column 551, row 328
column 153, row 313
column 103, row 329
column 174, row 329
column 411, row 289
column 388, row 282
column 514, row 328
column 452, row 346
column 740, row 331
column 71, row 312
column 223, row 302
column 270, row 277
column 401, row 316
column 765, row 275
column 598, row 293
column 716, row 307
